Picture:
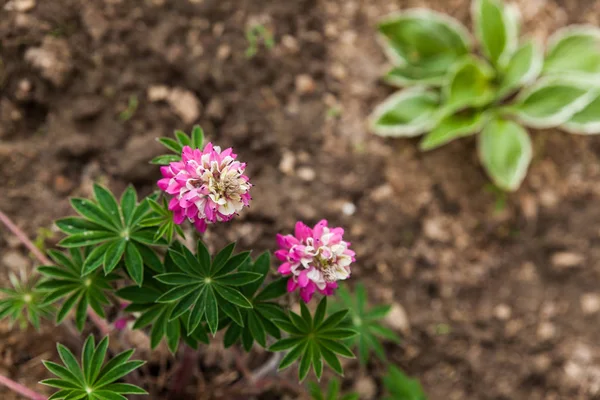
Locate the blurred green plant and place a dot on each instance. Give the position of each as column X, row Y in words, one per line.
column 256, row 34
column 132, row 106
column 365, row 321
column 24, row 302
column 450, row 92
column 401, row 387
column 333, row 392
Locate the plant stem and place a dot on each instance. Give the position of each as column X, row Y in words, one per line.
column 184, row 372
column 22, row 390
column 103, row 327
column 24, row 239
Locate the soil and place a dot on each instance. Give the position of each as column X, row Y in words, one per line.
column 496, row 297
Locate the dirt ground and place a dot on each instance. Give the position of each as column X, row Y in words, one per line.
column 495, row 297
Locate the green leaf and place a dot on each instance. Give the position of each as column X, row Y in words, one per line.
column 113, row 255
column 134, row 263
column 496, row 28
column 178, row 292
column 94, row 213
column 238, row 278
column 183, row 138
column 586, row 121
column 139, row 295
column 232, row 295
column 128, row 204
column 453, row 127
column 70, row 362
column 87, row 355
column 221, row 258
column 424, row 37
column 165, row 159
column 551, row 102
column 505, row 152
column 410, row 75
column 257, row 329
column 81, row 312
column 231, row 264
column 95, row 259
column 305, row 361
column 408, row 113
column 88, row 238
column 292, row 355
column 67, row 306
column 470, row 84
column 150, row 258
column 212, row 310
column 273, row 290
column 332, row 360
column 118, row 372
column 523, row 68
column 402, row 387
column 203, row 255
column 197, row 137
column 174, row 278
column 173, row 334
column 574, row 50
column 125, row 388
column 170, row 144
column 108, row 203
column 72, row 225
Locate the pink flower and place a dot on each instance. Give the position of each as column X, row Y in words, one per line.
column 314, row 258
column 207, row 186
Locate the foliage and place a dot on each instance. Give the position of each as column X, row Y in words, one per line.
column 256, row 33
column 366, row 322
column 67, row 281
column 401, row 387
column 313, row 339
column 115, row 230
column 195, row 141
column 333, row 392
column 90, row 379
column 161, row 219
column 257, row 321
column 450, row 92
column 24, row 302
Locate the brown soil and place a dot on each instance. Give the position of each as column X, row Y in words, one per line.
column 501, row 303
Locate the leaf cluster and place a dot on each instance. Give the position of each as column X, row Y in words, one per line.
column 195, row 141
column 90, row 379
column 451, row 92
column 314, row 339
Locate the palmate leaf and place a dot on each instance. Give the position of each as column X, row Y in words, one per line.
column 210, row 290
column 195, row 141
column 366, row 321
column 90, row 379
column 255, row 324
column 23, row 303
column 401, row 387
column 115, row 231
column 65, row 281
column 314, row 339
column 164, row 320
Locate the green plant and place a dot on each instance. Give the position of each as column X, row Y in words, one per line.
column 314, row 339
column 255, row 34
column 24, row 302
column 333, row 392
column 132, row 106
column 401, row 387
column 124, row 257
column 366, row 322
column 90, row 379
column 454, row 93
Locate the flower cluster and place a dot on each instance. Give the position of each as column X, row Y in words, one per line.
column 207, row 186
column 314, row 258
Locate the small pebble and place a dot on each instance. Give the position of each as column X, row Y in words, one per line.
column 348, row 208
column 566, row 259
column 590, row 303
column 397, row 319
column 502, row 312
column 306, row 174
column 305, row 84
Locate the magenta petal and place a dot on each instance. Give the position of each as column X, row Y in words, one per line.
column 200, row 225
column 303, row 278
column 306, row 293
column 291, row 285
column 285, row 268
column 163, row 183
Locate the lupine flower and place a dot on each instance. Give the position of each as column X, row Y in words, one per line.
column 314, row 258
column 207, row 186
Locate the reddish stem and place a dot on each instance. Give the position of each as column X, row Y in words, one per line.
column 22, row 390
column 24, row 239
column 184, row 372
column 103, row 327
